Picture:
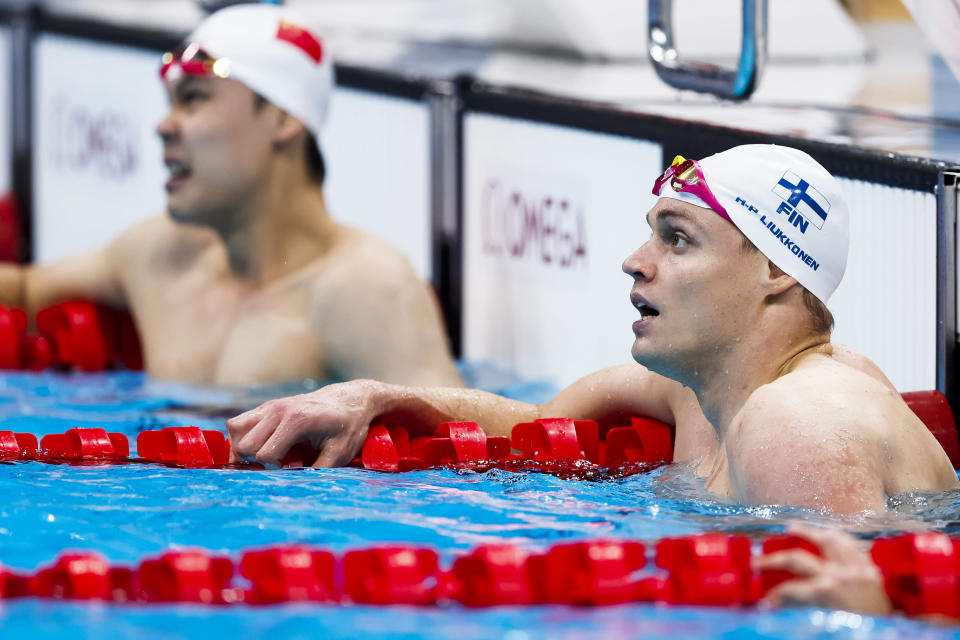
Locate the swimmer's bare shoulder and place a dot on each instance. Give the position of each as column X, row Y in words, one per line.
column 830, row 434
column 852, row 358
column 155, row 248
column 375, row 317
column 108, row 274
column 916, row 458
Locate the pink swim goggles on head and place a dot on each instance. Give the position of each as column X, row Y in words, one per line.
column 686, row 176
column 194, row 61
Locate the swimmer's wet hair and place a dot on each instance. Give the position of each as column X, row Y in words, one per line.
column 316, row 168
column 821, row 320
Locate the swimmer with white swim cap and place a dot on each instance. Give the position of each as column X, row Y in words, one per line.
column 248, row 279
column 733, row 346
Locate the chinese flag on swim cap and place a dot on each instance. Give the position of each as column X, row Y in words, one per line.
column 276, row 53
column 300, row 38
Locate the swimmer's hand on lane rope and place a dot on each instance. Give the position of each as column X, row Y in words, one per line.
column 844, row 578
column 334, row 420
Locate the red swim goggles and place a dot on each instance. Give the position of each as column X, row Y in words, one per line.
column 190, row 59
column 686, row 175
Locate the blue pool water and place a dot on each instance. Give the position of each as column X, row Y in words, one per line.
column 127, row 512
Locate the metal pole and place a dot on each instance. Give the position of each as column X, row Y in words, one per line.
column 446, row 267
column 948, row 191
column 21, row 118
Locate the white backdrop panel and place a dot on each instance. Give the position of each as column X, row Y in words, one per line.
column 377, row 151
column 98, row 165
column 550, row 214
column 6, row 144
column 886, row 305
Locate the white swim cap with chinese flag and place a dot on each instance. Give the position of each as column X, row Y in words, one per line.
column 276, row 53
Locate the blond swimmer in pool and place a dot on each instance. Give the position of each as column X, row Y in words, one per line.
column 248, row 279
column 733, row 346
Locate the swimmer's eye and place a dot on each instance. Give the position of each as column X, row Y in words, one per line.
column 678, row 240
column 190, row 97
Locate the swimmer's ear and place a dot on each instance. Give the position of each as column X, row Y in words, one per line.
column 287, row 128
column 778, row 280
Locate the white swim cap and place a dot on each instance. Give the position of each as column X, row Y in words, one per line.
column 787, row 204
column 275, row 53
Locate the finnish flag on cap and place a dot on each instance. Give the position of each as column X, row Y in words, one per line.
column 806, row 200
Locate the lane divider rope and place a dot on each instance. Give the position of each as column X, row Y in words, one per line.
column 574, row 448
column 921, row 573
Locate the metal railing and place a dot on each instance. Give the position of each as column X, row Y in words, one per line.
column 733, row 84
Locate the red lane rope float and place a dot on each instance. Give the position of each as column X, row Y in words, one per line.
column 76, row 335
column 289, row 574
column 17, row 445
column 709, row 569
column 921, row 573
column 934, row 411
column 85, row 444
column 187, row 446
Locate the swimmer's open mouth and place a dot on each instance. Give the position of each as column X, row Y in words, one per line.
column 646, row 309
column 177, row 169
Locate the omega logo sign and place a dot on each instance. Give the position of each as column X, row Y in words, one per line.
column 522, row 224
column 93, row 139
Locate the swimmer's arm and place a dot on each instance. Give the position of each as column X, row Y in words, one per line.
column 89, row 276
column 612, row 396
column 335, row 419
column 805, row 454
column 12, row 278
column 609, row 396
